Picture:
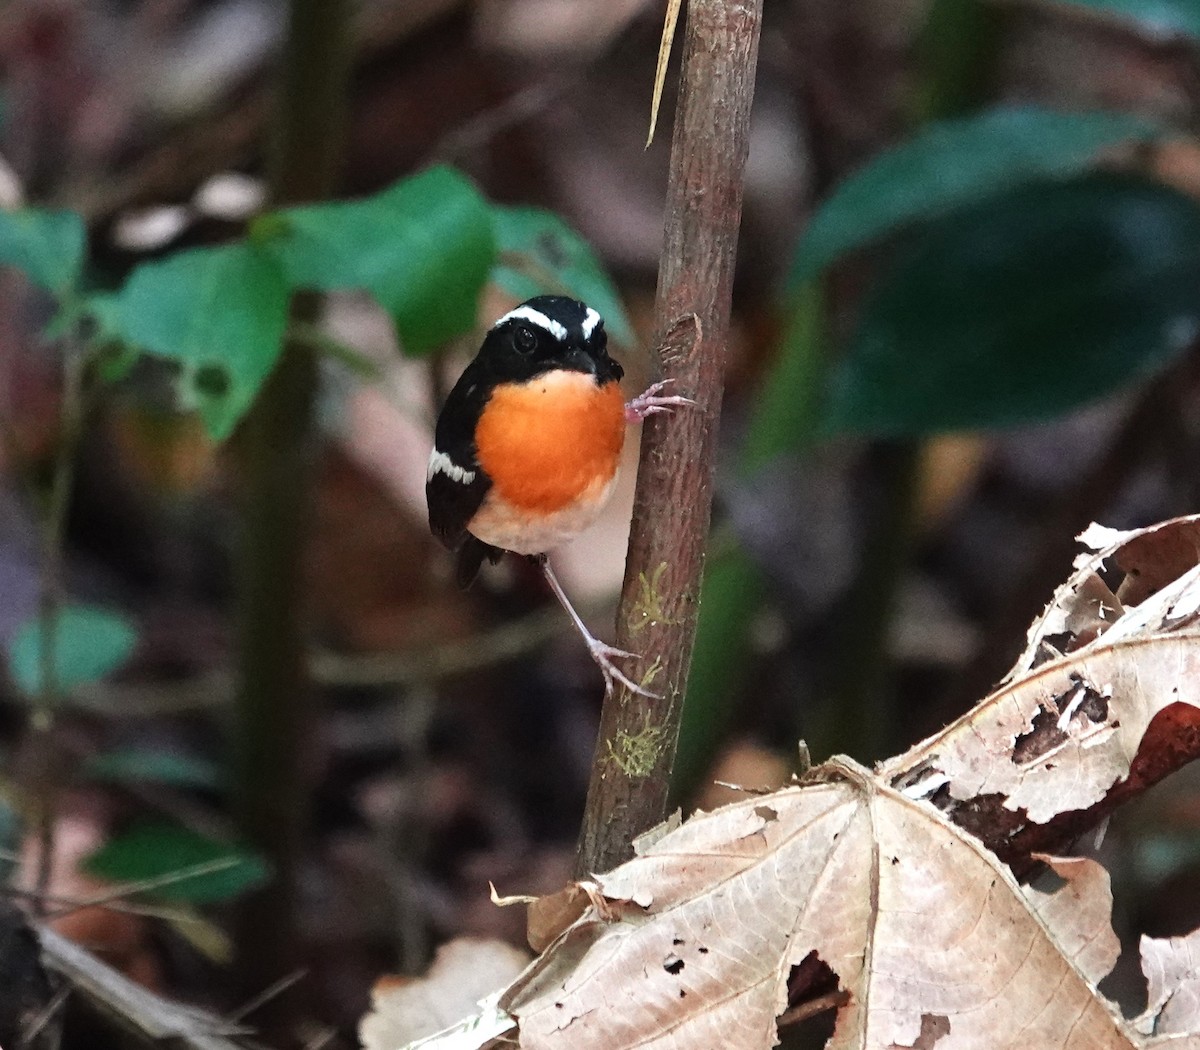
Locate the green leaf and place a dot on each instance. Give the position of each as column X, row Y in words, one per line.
column 113, row 358
column 137, row 765
column 539, row 254
column 1157, row 19
column 422, row 249
column 1022, row 307
column 951, row 164
column 88, row 644
column 219, row 312
column 47, row 246
column 157, row 851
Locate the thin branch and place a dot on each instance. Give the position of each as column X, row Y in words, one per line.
column 51, row 598
column 418, row 666
column 659, row 601
column 172, row 878
column 267, row 995
column 134, row 1008
column 276, row 443
column 37, row 1024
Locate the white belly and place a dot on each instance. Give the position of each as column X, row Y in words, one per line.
column 502, row 525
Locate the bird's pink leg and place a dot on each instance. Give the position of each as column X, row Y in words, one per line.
column 602, row 653
column 650, row 401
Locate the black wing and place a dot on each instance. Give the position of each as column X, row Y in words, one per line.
column 452, row 503
column 457, row 485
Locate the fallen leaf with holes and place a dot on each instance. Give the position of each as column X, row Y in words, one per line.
column 877, row 893
column 1104, row 701
column 928, row 938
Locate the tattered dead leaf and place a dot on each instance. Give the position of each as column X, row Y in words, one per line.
column 917, row 921
column 930, row 940
column 464, row 971
column 550, row 915
column 864, row 893
column 1172, row 968
column 512, row 900
column 1153, row 558
column 1084, row 605
column 1072, row 717
column 1079, row 913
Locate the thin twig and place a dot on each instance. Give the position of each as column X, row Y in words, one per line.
column 50, row 603
column 134, row 1008
column 44, row 1017
column 58, row 906
column 267, row 995
column 418, row 666
column 158, row 882
column 659, row 601
column 830, row 1001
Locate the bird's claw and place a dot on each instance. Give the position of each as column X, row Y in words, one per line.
column 603, row 654
column 649, row 402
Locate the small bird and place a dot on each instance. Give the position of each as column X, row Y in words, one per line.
column 527, row 445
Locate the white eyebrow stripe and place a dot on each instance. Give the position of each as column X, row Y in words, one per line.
column 440, row 463
column 590, row 322
column 527, row 313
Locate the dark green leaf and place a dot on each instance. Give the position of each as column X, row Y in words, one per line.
column 135, row 765
column 154, row 851
column 539, row 254
column 47, row 246
column 951, row 164
column 1025, row 306
column 422, row 248
column 88, row 644
column 219, row 312
column 1157, row 19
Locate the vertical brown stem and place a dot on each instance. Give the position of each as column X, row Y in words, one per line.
column 657, row 615
column 276, row 450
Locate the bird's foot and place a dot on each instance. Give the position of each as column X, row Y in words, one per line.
column 651, row 401
column 604, row 654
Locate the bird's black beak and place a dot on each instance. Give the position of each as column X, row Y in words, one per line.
column 577, row 359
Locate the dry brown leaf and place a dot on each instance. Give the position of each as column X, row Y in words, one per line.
column 1074, row 713
column 863, row 892
column 1151, row 558
column 925, row 929
column 1079, row 913
column 1172, row 968
column 464, row 971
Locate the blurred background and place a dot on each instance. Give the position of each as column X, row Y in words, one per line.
column 985, row 341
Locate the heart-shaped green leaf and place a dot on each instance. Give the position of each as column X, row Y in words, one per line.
column 220, row 312
column 422, row 249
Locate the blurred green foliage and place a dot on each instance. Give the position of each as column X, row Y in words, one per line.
column 174, row 863
column 88, row 644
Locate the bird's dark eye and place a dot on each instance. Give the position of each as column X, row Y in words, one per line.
column 524, row 339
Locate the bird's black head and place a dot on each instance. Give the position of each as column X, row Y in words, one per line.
column 547, row 333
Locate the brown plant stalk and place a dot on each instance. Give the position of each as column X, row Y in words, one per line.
column 659, row 599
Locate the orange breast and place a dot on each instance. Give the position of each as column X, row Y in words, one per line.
column 546, row 442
